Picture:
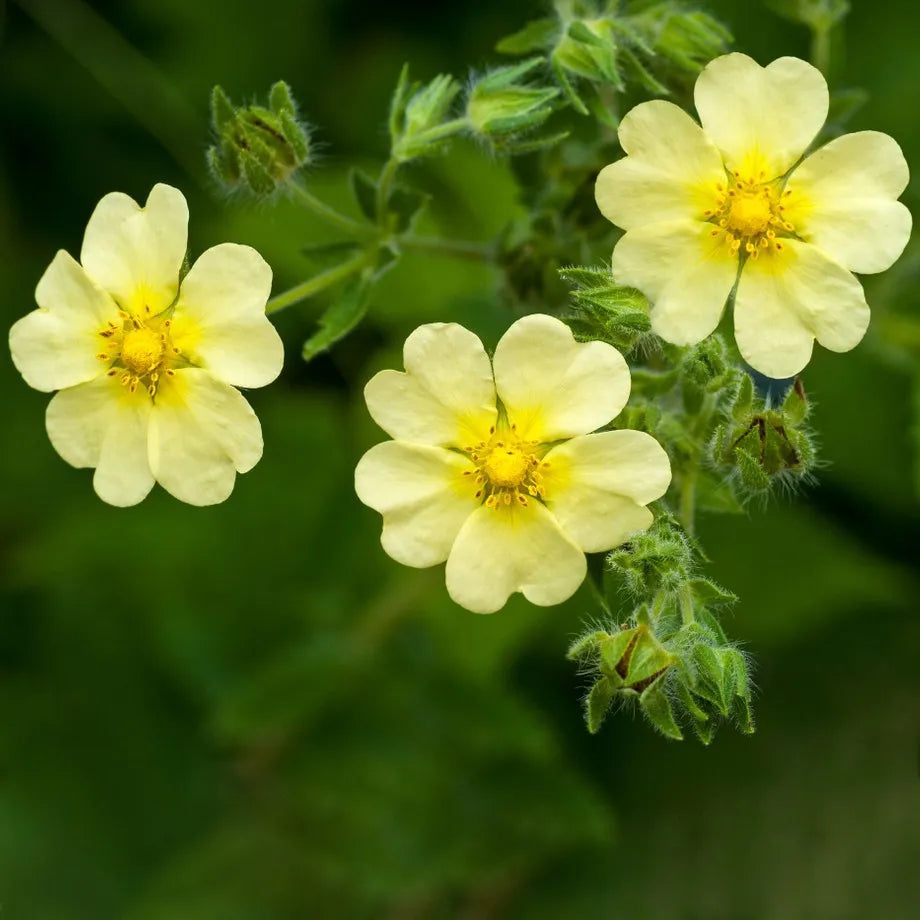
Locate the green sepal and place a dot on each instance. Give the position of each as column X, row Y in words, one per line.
column 222, row 111
column 597, row 703
column 257, row 175
column 339, row 319
column 536, row 35
column 657, row 709
column 586, row 646
column 744, row 399
column 566, row 85
column 707, row 592
column 280, row 99
column 795, row 405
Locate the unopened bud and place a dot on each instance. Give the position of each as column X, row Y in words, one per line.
column 257, row 149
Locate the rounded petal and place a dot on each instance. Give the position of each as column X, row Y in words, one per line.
column 446, row 397
column 686, row 272
column 596, row 486
column 220, row 321
column 423, row 495
column 136, row 253
column 842, row 199
column 553, row 387
column 787, row 299
column 100, row 424
column 672, row 171
column 56, row 346
column 506, row 549
column 202, row 433
column 761, row 118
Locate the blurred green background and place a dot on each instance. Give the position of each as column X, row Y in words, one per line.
column 249, row 712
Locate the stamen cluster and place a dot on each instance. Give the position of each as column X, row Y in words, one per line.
column 508, row 469
column 750, row 214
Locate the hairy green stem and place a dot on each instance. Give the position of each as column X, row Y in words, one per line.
column 329, row 214
column 821, row 48
column 317, row 283
column 461, row 249
column 384, row 183
column 686, row 605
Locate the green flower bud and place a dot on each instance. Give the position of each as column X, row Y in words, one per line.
column 499, row 107
column 418, row 116
column 765, row 446
column 604, row 310
column 257, row 149
column 660, row 559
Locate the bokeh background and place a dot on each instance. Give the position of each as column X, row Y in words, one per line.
column 249, row 712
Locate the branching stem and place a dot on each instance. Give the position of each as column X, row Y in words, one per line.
column 317, row 283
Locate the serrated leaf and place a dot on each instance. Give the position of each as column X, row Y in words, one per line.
column 597, row 704
column 657, row 709
column 536, row 35
column 339, row 319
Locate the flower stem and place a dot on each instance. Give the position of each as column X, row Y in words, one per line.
column 462, row 249
column 688, row 498
column 329, row 214
column 384, row 183
column 317, row 283
column 821, row 48
column 686, row 605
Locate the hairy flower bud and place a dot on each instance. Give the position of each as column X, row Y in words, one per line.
column 257, row 149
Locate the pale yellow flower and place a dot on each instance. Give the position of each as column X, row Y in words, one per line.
column 493, row 469
column 147, row 369
column 733, row 201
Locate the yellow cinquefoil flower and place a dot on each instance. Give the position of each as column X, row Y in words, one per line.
column 700, row 205
column 146, row 369
column 493, row 469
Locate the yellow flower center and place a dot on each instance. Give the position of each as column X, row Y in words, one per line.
column 138, row 351
column 507, row 469
column 142, row 350
column 750, row 215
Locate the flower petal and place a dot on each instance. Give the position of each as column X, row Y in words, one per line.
column 686, row 270
column 136, row 253
column 506, row 549
column 220, row 322
column 672, row 171
column 423, row 496
column 56, row 346
column 446, row 397
column 786, row 299
column 761, row 118
column 842, row 199
column 554, row 387
column 597, row 484
column 202, row 432
column 100, row 424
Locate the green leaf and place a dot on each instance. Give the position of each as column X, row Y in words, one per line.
column 364, row 190
column 536, row 35
column 405, row 205
column 339, row 319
